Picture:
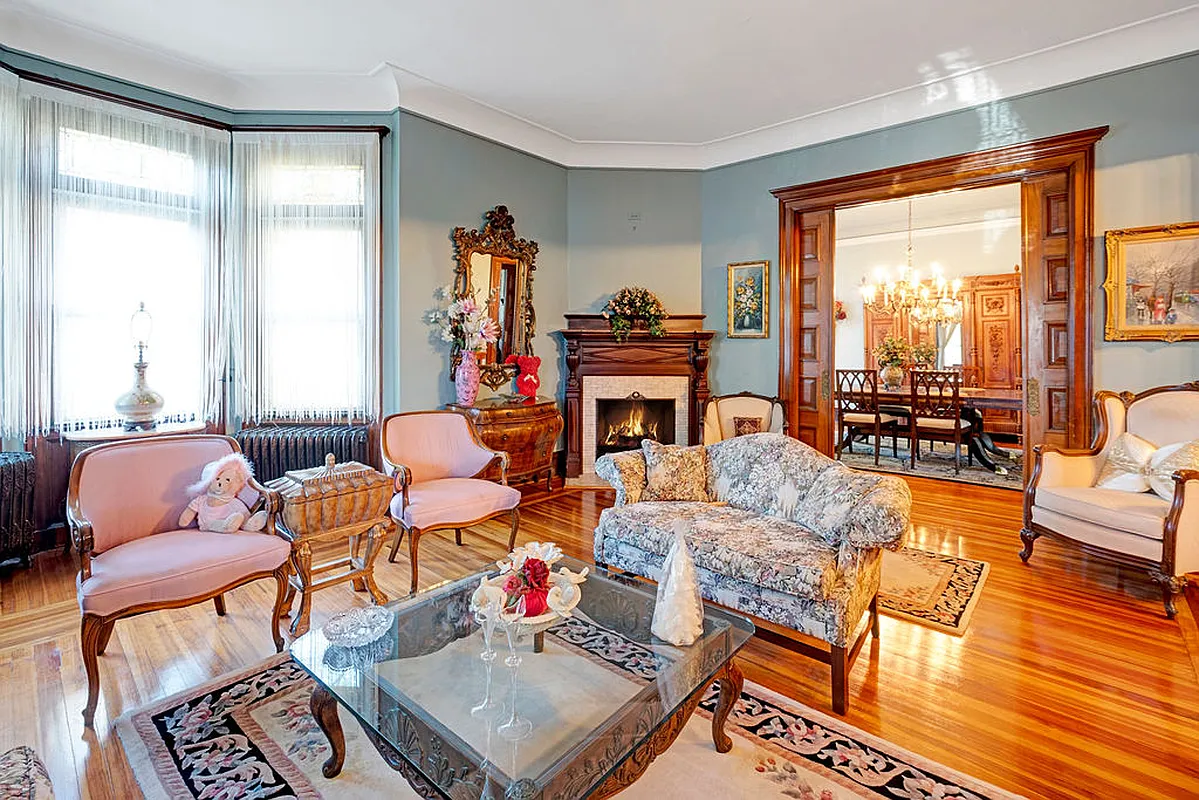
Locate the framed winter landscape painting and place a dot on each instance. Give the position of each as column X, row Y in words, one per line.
column 749, row 300
column 1153, row 283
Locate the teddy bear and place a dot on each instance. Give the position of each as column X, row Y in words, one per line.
column 527, row 382
column 217, row 505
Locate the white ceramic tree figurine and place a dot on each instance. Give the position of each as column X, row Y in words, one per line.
column 679, row 611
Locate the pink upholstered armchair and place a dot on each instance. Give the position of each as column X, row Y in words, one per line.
column 123, row 506
column 435, row 457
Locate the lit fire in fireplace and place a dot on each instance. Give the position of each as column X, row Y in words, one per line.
column 631, row 427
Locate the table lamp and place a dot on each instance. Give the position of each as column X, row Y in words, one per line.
column 140, row 405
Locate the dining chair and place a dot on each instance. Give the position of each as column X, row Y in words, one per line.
column 937, row 414
column 436, row 458
column 858, row 409
column 123, row 505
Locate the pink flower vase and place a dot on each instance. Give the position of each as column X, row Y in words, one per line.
column 466, row 380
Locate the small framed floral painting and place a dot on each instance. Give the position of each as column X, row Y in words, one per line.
column 749, row 300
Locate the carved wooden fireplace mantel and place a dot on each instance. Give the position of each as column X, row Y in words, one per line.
column 591, row 351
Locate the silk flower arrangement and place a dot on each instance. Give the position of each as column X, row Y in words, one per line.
column 527, row 592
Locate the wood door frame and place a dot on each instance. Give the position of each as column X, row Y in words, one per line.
column 1070, row 153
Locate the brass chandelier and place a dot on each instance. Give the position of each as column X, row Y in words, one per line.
column 934, row 301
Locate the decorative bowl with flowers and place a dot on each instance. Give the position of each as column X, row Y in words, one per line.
column 527, row 593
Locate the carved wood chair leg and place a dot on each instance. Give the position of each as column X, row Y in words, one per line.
column 105, row 635
column 219, row 602
column 515, row 514
column 282, row 590
column 839, row 656
column 895, row 440
column 90, row 629
column 458, row 536
column 878, row 438
column 1027, row 537
column 395, row 546
column 1168, row 602
column 413, row 545
column 874, row 616
column 1170, row 586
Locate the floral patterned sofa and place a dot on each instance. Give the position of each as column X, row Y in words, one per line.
column 789, row 536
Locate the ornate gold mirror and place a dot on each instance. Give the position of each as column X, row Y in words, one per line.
column 496, row 267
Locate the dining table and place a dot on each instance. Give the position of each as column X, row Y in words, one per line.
column 974, row 400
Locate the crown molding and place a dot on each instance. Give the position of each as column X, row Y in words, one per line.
column 957, row 87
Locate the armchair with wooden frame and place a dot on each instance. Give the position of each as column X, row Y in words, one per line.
column 858, row 410
column 436, row 458
column 124, row 500
column 721, row 413
column 936, row 404
column 1135, row 529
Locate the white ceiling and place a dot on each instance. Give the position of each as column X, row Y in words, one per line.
column 995, row 207
column 636, row 83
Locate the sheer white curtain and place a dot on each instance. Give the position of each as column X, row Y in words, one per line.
column 19, row 379
column 123, row 207
column 304, row 288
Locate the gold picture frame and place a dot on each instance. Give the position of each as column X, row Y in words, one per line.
column 749, row 300
column 1152, row 283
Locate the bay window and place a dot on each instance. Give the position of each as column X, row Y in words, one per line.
column 306, row 242
column 257, row 255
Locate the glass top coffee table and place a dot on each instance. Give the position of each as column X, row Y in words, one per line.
column 603, row 695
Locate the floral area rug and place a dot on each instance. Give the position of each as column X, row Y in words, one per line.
column 931, row 589
column 937, row 464
column 250, row 735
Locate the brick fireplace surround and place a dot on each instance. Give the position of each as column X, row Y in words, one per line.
column 674, row 366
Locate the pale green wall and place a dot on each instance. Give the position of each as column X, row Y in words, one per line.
column 660, row 251
column 449, row 178
column 1147, row 174
column 692, row 224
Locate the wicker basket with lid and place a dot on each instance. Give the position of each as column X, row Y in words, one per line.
column 333, row 496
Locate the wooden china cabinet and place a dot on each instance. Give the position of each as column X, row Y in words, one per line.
column 991, row 341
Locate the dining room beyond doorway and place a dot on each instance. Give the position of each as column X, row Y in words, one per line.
column 928, row 335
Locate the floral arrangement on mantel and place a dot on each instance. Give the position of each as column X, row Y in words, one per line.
column 633, row 303
column 462, row 321
column 893, row 352
column 528, row 590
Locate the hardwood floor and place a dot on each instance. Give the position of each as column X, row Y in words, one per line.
column 1069, row 682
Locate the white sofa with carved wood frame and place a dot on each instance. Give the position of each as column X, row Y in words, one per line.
column 1138, row 530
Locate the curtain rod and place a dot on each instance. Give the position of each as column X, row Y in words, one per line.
column 186, row 116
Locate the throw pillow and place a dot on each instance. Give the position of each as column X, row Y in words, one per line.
column 1127, row 465
column 1168, row 460
column 1135, row 465
column 746, row 425
column 674, row 472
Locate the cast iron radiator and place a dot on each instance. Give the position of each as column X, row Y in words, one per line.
column 16, row 506
column 275, row 449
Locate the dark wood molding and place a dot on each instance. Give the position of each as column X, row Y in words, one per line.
column 1070, row 155
column 969, row 170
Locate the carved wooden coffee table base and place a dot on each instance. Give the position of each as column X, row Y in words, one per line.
column 730, row 679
